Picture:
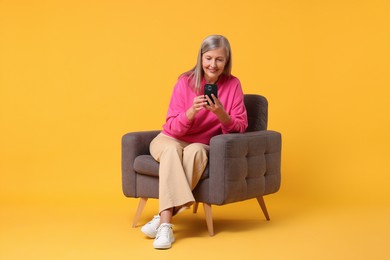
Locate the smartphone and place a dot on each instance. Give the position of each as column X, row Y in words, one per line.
column 211, row 89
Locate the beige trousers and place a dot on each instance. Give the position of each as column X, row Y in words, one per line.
column 181, row 166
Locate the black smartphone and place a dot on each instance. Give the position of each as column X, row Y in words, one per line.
column 211, row 89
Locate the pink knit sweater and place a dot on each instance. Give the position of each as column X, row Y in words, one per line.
column 205, row 124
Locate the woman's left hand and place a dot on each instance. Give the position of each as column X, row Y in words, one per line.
column 217, row 108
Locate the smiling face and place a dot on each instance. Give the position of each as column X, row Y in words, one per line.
column 213, row 64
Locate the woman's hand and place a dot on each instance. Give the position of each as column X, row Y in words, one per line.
column 198, row 104
column 217, row 108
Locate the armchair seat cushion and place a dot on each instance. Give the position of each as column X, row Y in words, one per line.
column 147, row 165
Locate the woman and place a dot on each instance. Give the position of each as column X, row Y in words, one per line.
column 192, row 120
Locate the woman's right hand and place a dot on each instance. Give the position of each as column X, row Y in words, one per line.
column 198, row 104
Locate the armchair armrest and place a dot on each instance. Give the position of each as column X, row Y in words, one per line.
column 133, row 145
column 244, row 166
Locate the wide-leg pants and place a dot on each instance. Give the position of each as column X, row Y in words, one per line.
column 181, row 166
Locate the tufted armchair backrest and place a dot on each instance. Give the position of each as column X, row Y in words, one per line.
column 257, row 110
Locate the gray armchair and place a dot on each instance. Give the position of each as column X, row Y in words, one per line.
column 241, row 166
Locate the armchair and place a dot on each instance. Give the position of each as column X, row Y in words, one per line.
column 241, row 166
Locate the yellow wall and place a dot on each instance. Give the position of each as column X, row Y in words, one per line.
column 76, row 75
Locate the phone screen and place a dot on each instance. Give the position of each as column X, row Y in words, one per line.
column 211, row 89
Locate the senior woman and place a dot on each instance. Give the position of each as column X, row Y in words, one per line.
column 192, row 120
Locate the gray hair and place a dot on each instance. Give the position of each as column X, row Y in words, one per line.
column 211, row 42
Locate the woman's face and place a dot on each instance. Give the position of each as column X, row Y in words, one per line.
column 213, row 64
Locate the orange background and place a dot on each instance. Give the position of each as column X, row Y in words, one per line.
column 77, row 75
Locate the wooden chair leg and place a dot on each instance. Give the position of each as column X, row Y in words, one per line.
column 195, row 207
column 261, row 202
column 141, row 206
column 209, row 218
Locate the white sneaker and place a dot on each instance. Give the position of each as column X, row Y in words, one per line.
column 164, row 237
column 150, row 228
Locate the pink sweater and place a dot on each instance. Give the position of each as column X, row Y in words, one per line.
column 205, row 124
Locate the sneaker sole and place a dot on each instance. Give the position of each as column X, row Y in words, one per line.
column 165, row 246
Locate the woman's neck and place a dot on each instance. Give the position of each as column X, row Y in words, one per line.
column 211, row 80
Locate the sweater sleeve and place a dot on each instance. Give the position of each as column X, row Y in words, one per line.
column 177, row 122
column 238, row 116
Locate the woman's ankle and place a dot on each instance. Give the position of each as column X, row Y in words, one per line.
column 166, row 215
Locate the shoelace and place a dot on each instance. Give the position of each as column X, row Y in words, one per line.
column 163, row 230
